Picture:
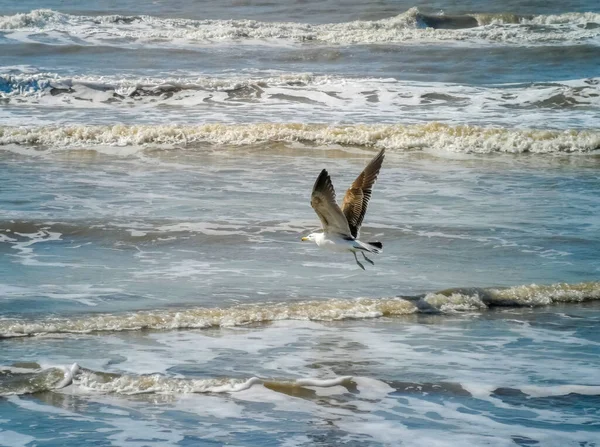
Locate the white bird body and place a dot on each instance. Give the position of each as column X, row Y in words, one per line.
column 336, row 243
column 333, row 242
column 341, row 225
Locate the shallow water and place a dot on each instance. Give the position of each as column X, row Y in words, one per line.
column 156, row 163
column 501, row 378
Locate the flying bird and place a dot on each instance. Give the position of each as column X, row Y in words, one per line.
column 341, row 225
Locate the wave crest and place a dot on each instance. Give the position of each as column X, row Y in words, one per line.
column 35, row 379
column 445, row 301
column 434, row 136
column 410, row 26
column 201, row 318
column 533, row 295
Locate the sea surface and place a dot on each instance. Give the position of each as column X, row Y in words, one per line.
column 156, row 164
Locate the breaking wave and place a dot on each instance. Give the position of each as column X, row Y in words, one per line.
column 32, row 378
column 431, row 136
column 201, row 318
column 445, row 301
column 410, row 26
column 35, row 379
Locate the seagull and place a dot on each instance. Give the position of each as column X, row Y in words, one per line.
column 341, row 225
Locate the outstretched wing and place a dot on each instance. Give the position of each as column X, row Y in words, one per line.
column 323, row 202
column 357, row 197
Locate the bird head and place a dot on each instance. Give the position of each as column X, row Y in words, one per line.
column 310, row 237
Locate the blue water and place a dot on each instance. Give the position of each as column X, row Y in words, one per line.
column 156, row 163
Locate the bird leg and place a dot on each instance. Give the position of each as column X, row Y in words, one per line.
column 367, row 259
column 359, row 264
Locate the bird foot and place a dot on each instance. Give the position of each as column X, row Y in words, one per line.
column 367, row 259
column 357, row 261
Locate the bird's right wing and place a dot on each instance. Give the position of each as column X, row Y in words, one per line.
column 323, row 202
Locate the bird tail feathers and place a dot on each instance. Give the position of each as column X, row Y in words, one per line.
column 371, row 247
column 377, row 247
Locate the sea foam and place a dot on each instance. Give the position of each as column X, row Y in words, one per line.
column 445, row 301
column 19, row 381
column 431, row 136
column 250, row 96
column 410, row 26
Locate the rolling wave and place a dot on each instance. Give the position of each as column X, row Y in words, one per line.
column 445, row 301
column 32, row 378
column 432, row 136
column 410, row 26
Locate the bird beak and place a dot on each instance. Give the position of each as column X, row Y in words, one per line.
column 304, row 239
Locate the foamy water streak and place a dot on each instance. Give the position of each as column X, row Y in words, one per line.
column 160, row 384
column 410, row 26
column 451, row 300
column 35, row 379
column 110, row 89
column 435, row 136
column 363, row 96
column 18, row 381
column 156, row 383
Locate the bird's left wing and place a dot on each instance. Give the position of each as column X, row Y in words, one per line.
column 323, row 202
column 358, row 195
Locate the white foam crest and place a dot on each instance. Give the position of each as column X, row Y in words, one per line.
column 395, row 137
column 533, row 295
column 404, row 27
column 69, row 373
column 560, row 390
column 372, row 389
column 199, row 318
column 35, row 19
column 156, row 383
column 455, row 302
column 542, row 295
column 578, row 18
column 447, row 301
column 323, row 383
column 479, row 390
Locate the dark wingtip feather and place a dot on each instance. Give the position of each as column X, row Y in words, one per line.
column 321, row 181
column 379, row 157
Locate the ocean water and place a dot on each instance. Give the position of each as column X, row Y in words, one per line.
column 156, row 163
